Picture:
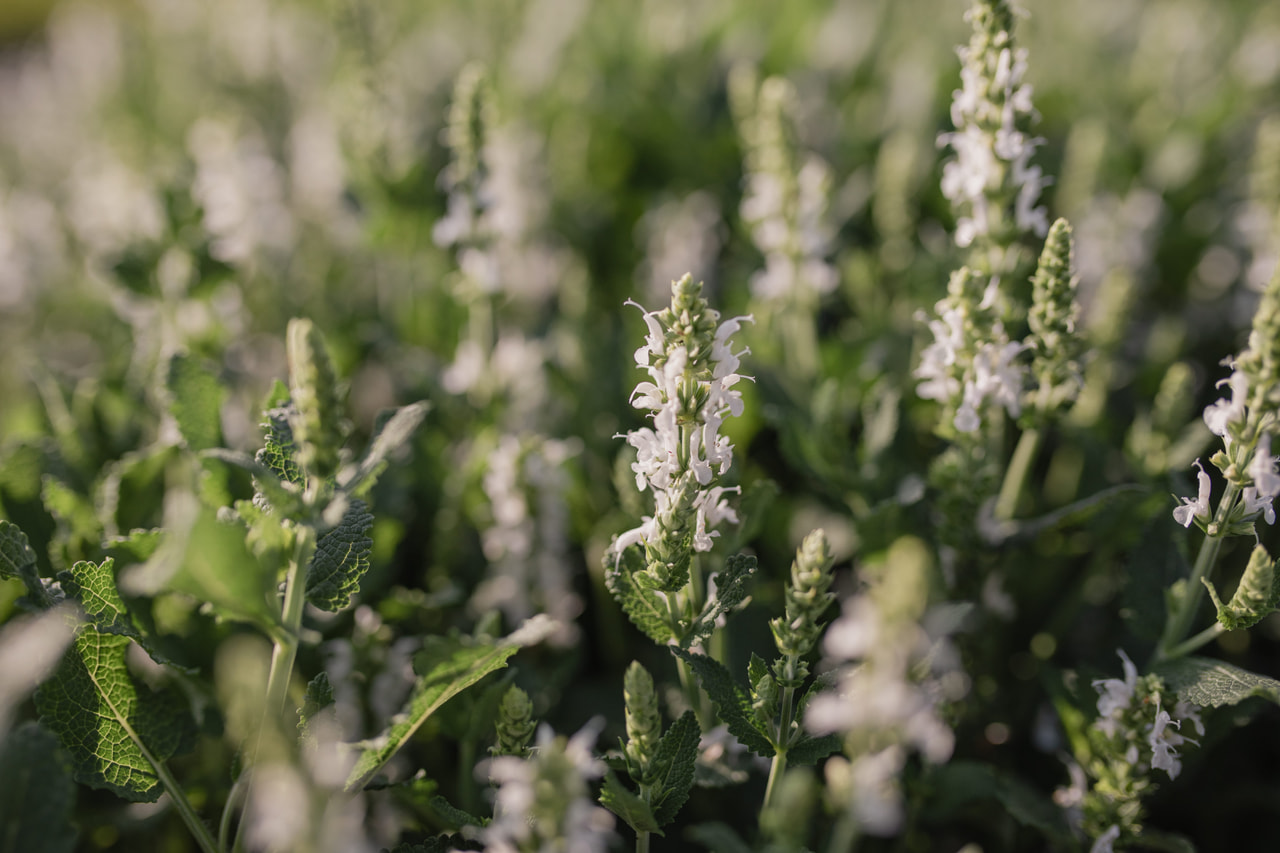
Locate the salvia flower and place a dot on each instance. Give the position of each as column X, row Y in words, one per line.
column 544, row 803
column 991, row 183
column 692, row 367
column 1199, row 507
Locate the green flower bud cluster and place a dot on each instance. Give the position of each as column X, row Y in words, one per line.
column 807, row 598
column 644, row 722
column 1053, row 341
column 470, row 115
column 318, row 414
column 1256, row 597
column 515, row 724
column 1260, row 362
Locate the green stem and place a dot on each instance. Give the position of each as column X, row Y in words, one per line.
column 642, row 842
column 234, row 796
column 786, row 711
column 1188, row 646
column 776, row 770
column 845, row 834
column 184, row 807
column 1184, row 611
column 1015, row 477
column 285, row 651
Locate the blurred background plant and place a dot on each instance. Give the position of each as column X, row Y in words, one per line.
column 462, row 195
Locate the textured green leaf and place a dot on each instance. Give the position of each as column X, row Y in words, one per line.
column 731, row 591
column 673, row 767
column 395, row 433
column 196, row 399
column 18, row 560
column 319, row 696
column 341, row 560
column 77, row 529
column 115, row 733
column 1212, row 683
column 37, row 794
column 279, row 451
column 313, row 387
column 732, row 701
column 442, row 676
column 452, row 816
column 811, row 750
column 616, row 797
column 136, row 546
column 94, row 586
column 644, row 606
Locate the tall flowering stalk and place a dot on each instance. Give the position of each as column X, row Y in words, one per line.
column 784, row 203
column 991, row 182
column 680, row 460
column 1246, row 421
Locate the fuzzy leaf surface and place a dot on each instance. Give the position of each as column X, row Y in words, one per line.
column 114, row 731
column 732, row 701
column 811, row 750
column 18, row 560
column 731, row 591
column 442, row 676
column 341, row 560
column 673, row 767
column 643, row 606
column 617, row 798
column 1212, row 683
column 37, row 793
column 395, row 433
column 454, row 817
column 196, row 399
column 94, row 586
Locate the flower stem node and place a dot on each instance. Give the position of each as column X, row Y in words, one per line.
column 1256, row 597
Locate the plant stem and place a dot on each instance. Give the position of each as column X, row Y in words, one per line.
column 1215, row 630
column 183, row 805
column 1015, row 477
column 779, row 766
column 1185, row 609
column 642, row 842
column 845, row 834
column 286, row 649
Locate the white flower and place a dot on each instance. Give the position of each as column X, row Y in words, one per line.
column 1263, row 468
column 1198, row 508
column 1115, row 696
column 1105, row 841
column 1223, row 413
column 1162, row 742
column 1255, row 503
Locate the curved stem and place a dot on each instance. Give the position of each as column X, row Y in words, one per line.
column 1015, row 477
column 1185, row 608
column 184, row 807
column 1187, row 647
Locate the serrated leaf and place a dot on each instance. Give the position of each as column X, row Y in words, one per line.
column 732, row 701
column 279, row 451
column 319, row 695
column 452, row 816
column 282, row 496
column 959, row 783
column 1213, row 683
column 18, row 560
column 341, row 560
column 673, row 767
column 731, row 591
column 196, row 398
column 37, row 793
column 443, row 675
column 115, row 733
column 811, row 750
column 94, row 586
column 757, row 669
column 395, row 433
column 644, row 607
column 638, row 815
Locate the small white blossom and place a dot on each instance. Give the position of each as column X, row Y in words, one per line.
column 1263, row 469
column 1104, row 842
column 1162, row 741
column 1198, row 508
column 1115, row 696
column 1219, row 416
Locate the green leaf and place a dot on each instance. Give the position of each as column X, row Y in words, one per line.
column 78, row 529
column 18, row 560
column 94, row 586
column 202, row 557
column 452, row 816
column 1212, row 683
column 279, row 451
column 444, row 673
column 136, row 546
column 1170, row 842
column 37, row 793
column 319, row 696
column 341, row 560
column 960, row 783
column 811, row 750
column 395, row 433
column 196, row 399
column 731, row 591
column 615, row 797
column 643, row 606
column 732, row 701
column 673, row 767
column 115, row 733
